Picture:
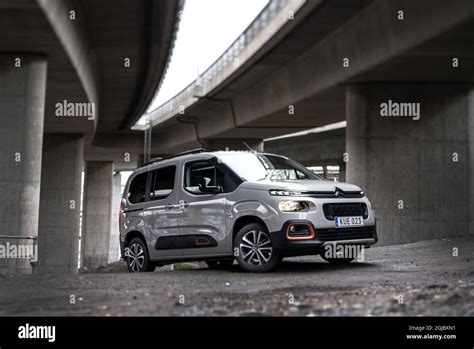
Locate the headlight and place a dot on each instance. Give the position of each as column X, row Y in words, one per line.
column 280, row 192
column 293, row 206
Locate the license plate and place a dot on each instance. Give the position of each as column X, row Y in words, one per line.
column 355, row 221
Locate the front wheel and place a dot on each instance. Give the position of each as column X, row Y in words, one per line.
column 254, row 249
column 138, row 260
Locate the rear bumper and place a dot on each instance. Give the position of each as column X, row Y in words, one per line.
column 122, row 249
column 315, row 243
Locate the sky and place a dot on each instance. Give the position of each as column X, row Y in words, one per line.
column 206, row 30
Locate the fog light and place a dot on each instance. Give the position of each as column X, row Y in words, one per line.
column 300, row 231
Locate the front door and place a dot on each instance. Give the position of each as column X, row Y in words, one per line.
column 202, row 216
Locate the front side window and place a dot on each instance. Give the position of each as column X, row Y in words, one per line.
column 196, row 171
column 163, row 183
column 136, row 193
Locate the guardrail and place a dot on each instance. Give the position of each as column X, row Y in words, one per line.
column 33, row 256
column 227, row 59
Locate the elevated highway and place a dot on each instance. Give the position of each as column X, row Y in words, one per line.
column 70, row 70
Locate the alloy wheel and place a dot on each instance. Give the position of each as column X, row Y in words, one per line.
column 256, row 247
column 136, row 257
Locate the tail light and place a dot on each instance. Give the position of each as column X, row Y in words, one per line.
column 122, row 205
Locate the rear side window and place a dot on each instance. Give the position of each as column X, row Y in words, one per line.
column 163, row 182
column 136, row 193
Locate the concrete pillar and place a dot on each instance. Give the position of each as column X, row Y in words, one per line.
column 114, row 245
column 22, row 100
column 342, row 171
column 470, row 131
column 60, row 204
column 417, row 173
column 325, row 172
column 232, row 144
column 97, row 214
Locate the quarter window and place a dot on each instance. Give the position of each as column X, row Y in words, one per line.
column 136, row 193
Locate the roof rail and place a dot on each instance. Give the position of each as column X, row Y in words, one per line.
column 158, row 158
column 192, row 151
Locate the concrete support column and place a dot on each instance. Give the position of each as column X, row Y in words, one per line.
column 325, row 172
column 97, row 214
column 470, row 131
column 342, row 171
column 22, row 100
column 114, row 245
column 60, row 203
column 232, row 144
column 417, row 173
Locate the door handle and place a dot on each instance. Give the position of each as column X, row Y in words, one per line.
column 182, row 204
column 170, row 207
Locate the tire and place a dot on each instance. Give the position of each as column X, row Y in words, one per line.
column 256, row 252
column 220, row 264
column 138, row 260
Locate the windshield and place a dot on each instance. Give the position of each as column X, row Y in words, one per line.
column 257, row 167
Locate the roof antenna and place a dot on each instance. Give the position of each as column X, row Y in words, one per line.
column 249, row 148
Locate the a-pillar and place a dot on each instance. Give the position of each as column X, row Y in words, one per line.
column 60, row 204
column 22, row 101
column 233, row 144
column 417, row 173
column 97, row 214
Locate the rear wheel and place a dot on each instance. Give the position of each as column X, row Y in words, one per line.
column 138, row 260
column 255, row 250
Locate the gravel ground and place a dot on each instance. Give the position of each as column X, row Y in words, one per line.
column 422, row 278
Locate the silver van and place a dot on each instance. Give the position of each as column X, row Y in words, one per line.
column 252, row 207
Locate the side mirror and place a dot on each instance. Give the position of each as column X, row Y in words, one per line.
column 206, row 188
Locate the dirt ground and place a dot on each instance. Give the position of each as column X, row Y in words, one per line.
column 422, row 278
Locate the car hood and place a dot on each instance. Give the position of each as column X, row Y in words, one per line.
column 300, row 185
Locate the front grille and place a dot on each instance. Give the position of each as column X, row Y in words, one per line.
column 334, row 234
column 333, row 194
column 345, row 210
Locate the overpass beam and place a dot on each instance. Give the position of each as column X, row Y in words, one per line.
column 22, row 103
column 60, row 205
column 233, row 144
column 97, row 213
column 417, row 173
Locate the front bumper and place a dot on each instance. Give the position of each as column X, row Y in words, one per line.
column 315, row 244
